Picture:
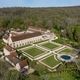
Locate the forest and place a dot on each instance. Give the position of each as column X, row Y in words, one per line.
column 63, row 20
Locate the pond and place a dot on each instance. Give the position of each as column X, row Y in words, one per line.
column 66, row 57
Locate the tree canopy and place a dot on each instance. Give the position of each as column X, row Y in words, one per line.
column 66, row 20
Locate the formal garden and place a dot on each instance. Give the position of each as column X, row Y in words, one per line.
column 33, row 51
column 48, row 66
column 67, row 50
column 46, row 52
column 49, row 45
column 50, row 61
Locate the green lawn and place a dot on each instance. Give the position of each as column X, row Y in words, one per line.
column 68, row 51
column 33, row 51
column 49, row 45
column 51, row 61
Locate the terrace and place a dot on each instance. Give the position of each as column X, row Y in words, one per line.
column 33, row 52
column 51, row 62
column 67, row 50
column 49, row 45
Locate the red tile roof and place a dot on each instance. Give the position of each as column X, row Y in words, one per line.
column 9, row 48
column 13, row 59
column 23, row 63
column 25, row 36
column 14, row 53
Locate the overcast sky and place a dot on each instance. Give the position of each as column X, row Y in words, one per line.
column 38, row 3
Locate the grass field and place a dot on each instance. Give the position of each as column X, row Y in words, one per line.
column 68, row 51
column 33, row 51
column 49, row 45
column 51, row 61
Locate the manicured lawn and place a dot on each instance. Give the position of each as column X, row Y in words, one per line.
column 49, row 45
column 51, row 61
column 33, row 51
column 68, row 51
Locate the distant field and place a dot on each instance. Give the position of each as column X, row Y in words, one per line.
column 49, row 45
column 51, row 61
column 33, row 51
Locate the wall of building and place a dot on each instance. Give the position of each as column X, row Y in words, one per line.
column 26, row 67
column 17, row 66
column 20, row 43
column 27, row 41
column 6, row 41
column 6, row 52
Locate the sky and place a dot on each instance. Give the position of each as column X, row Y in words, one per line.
column 39, row 3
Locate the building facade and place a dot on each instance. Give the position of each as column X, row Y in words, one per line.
column 18, row 39
column 12, row 57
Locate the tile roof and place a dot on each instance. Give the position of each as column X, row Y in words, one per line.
column 14, row 53
column 25, row 36
column 6, row 36
column 13, row 59
column 23, row 63
column 9, row 48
